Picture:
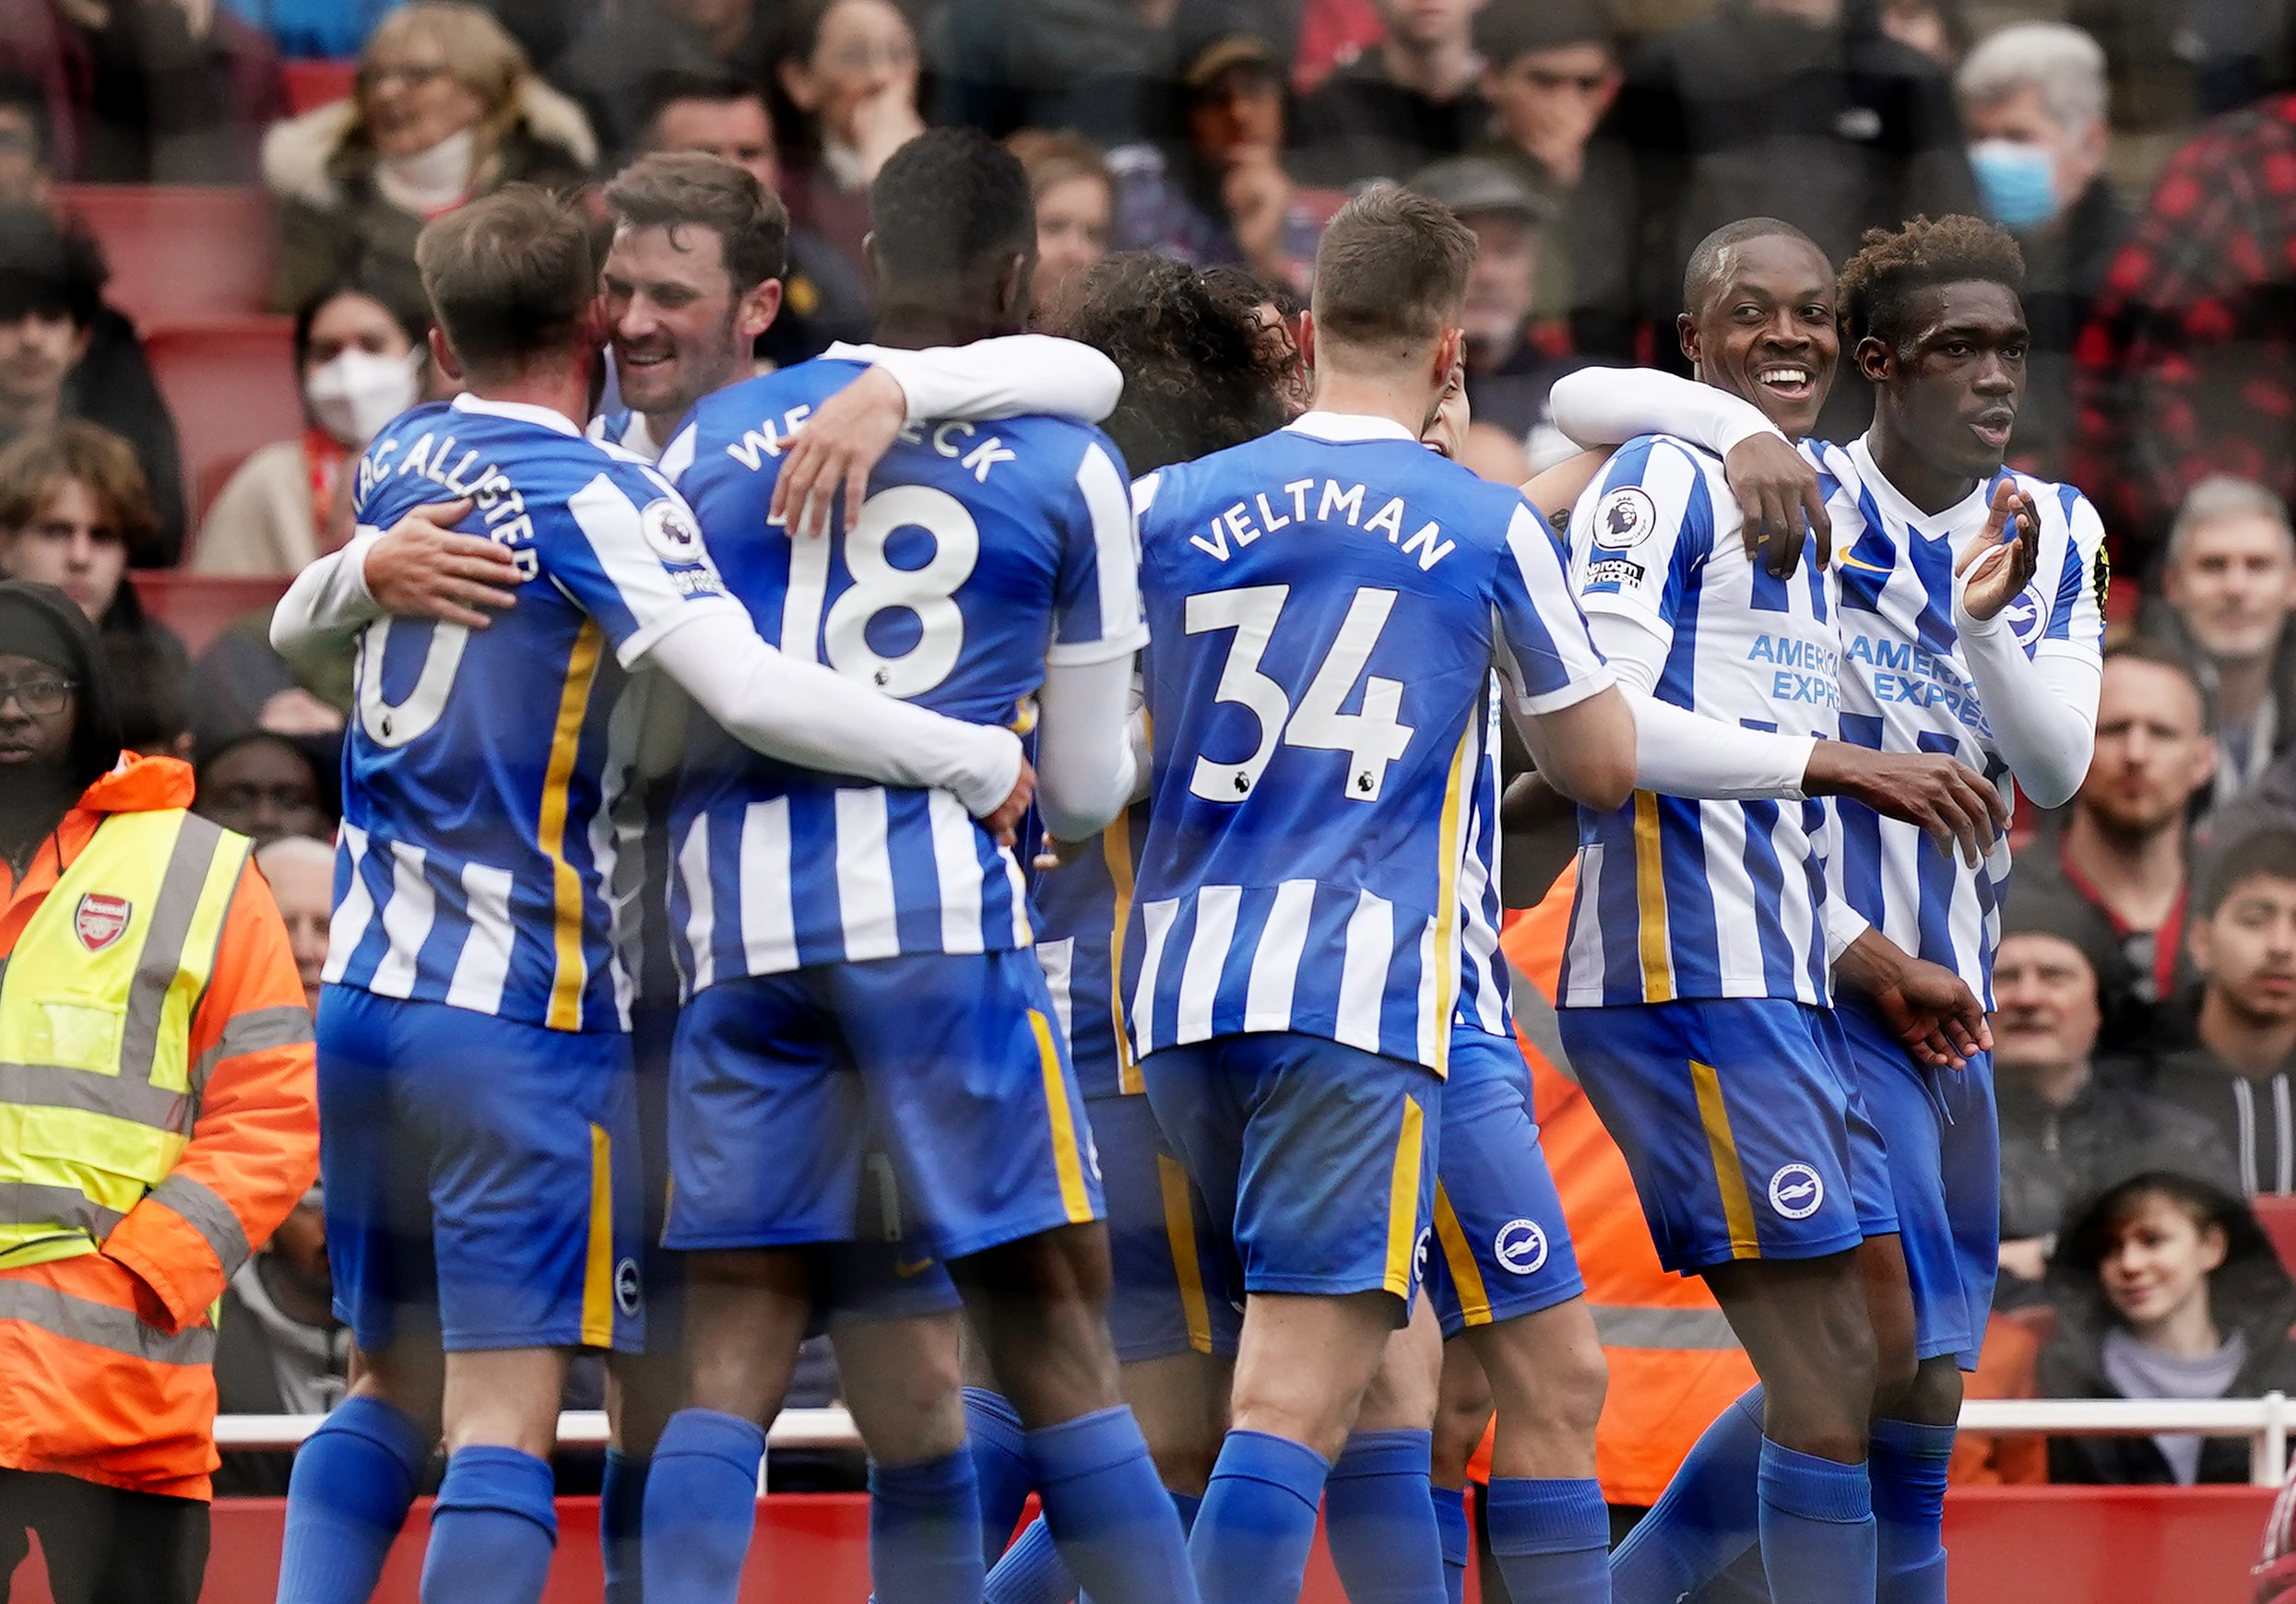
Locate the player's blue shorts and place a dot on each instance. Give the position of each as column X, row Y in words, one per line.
column 1501, row 1247
column 954, row 1061
column 1176, row 1286
column 653, row 1026
column 1321, row 1155
column 1942, row 1135
column 483, row 1177
column 1741, row 1122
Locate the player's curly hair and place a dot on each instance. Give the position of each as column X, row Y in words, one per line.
column 1894, row 262
column 1203, row 372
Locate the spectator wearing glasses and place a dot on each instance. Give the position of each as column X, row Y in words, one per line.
column 1550, row 71
column 446, row 109
column 2122, row 859
column 2235, row 1062
column 267, row 787
column 845, row 75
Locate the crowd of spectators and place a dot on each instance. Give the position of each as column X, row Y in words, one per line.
column 2145, row 1023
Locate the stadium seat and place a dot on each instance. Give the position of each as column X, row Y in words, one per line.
column 231, row 385
column 2277, row 1214
column 317, row 83
column 199, row 606
column 181, row 252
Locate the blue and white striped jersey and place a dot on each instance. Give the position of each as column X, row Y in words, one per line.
column 1905, row 687
column 982, row 552
column 1680, row 897
column 1325, row 608
column 626, row 430
column 1482, row 975
column 481, row 769
column 1081, row 910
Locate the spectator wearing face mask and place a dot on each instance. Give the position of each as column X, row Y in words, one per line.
column 2227, row 584
column 359, row 356
column 2033, row 98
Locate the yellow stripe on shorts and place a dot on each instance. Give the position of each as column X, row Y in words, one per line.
column 1474, row 1298
column 1179, row 1226
column 1068, row 1155
column 597, row 1270
column 1738, row 1206
column 1403, row 1198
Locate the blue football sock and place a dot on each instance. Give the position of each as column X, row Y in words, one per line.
column 1906, row 1463
column 1818, row 1529
column 1380, row 1521
column 353, row 1483
column 701, row 1506
column 1113, row 1522
column 1258, row 1522
column 924, row 1531
column 1706, row 1519
column 1551, row 1539
column 620, row 1508
column 1031, row 1571
column 1457, row 1537
column 999, row 1445
column 492, row 1530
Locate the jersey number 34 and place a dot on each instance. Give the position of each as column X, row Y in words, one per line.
column 1372, row 739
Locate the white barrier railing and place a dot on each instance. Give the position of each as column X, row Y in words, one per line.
column 2263, row 1421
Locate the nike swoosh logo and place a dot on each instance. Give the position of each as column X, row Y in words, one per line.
column 1850, row 559
column 906, row 1270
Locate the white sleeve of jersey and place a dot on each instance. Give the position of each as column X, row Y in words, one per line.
column 804, row 714
column 1085, row 766
column 1681, row 753
column 1599, row 407
column 998, row 378
column 2042, row 709
column 329, row 601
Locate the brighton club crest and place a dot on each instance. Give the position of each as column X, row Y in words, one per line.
column 100, row 919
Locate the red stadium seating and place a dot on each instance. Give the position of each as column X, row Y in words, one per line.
column 2277, row 1216
column 182, row 252
column 231, row 383
column 2010, row 1545
column 317, row 83
column 199, row 606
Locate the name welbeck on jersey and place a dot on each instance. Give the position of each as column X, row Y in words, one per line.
column 489, row 488
column 1333, row 502
column 951, row 440
column 1900, row 672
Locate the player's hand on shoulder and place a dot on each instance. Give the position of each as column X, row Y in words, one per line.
column 1779, row 495
column 422, row 569
column 1004, row 823
column 1950, row 801
column 841, row 443
column 1999, row 561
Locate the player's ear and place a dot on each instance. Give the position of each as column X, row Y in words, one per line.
column 1875, row 359
column 1306, row 340
column 1686, row 336
column 443, row 357
column 1014, row 287
column 1449, row 353
column 875, row 271
column 757, row 310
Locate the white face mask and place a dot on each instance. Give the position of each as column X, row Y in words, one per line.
column 354, row 395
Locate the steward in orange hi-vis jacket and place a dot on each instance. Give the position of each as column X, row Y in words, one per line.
column 158, row 1119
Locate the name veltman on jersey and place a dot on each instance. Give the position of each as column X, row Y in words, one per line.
column 1325, row 607
column 477, row 775
column 1905, row 687
column 1695, row 985
column 1682, row 897
column 830, row 924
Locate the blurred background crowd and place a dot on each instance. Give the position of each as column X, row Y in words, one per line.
column 208, row 306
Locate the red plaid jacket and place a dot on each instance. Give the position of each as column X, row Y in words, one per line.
column 2189, row 366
